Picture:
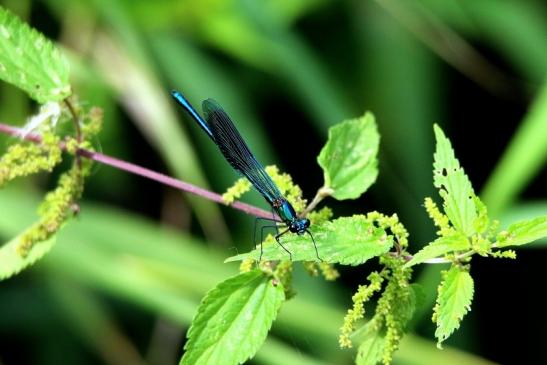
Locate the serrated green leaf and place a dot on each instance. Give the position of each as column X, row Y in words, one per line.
column 30, row 61
column 441, row 246
column 11, row 261
column 454, row 186
column 453, row 302
column 349, row 158
column 371, row 349
column 404, row 305
column 233, row 320
column 481, row 223
column 419, row 294
column 347, row 241
column 524, row 232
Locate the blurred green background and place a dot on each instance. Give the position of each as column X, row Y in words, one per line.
column 124, row 280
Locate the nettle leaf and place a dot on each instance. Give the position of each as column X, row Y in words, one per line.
column 372, row 347
column 30, row 61
column 349, row 159
column 453, row 302
column 441, row 246
column 12, row 260
column 454, row 186
column 523, row 232
column 348, row 241
column 405, row 304
column 233, row 320
column 482, row 222
column 420, row 296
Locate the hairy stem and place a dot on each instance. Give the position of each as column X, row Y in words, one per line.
column 436, row 260
column 76, row 121
column 321, row 194
column 144, row 172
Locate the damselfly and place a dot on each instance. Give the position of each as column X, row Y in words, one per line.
column 220, row 128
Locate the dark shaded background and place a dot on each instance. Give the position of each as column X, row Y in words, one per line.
column 286, row 71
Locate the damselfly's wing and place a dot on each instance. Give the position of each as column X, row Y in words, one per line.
column 236, row 151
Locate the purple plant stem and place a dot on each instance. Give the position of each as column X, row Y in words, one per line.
column 144, row 172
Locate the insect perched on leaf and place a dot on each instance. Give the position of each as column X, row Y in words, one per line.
column 220, row 128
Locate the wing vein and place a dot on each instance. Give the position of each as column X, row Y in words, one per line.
column 236, row 151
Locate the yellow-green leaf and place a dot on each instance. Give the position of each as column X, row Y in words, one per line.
column 373, row 343
column 349, row 158
column 441, row 246
column 453, row 301
column 13, row 259
column 454, row 186
column 523, row 232
column 347, row 241
column 233, row 320
column 30, row 61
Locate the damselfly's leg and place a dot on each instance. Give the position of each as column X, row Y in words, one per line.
column 314, row 245
column 277, row 236
column 254, row 229
column 275, row 220
column 262, row 239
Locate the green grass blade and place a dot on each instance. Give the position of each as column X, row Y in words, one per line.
column 521, row 161
column 398, row 80
column 87, row 317
column 416, row 350
column 297, row 63
column 203, row 78
column 124, row 61
column 516, row 28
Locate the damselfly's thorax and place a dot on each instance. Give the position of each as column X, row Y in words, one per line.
column 288, row 215
column 284, row 210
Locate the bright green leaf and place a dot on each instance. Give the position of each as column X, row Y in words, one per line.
column 481, row 223
column 453, row 302
column 349, row 159
column 404, row 305
column 454, row 186
column 347, row 241
column 523, row 232
column 371, row 349
column 441, row 246
column 12, row 262
column 233, row 320
column 419, row 294
column 30, row 61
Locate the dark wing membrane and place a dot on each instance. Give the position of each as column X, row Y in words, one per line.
column 236, row 152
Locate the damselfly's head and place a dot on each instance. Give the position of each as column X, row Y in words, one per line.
column 299, row 225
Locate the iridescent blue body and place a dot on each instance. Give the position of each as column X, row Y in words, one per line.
column 223, row 133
